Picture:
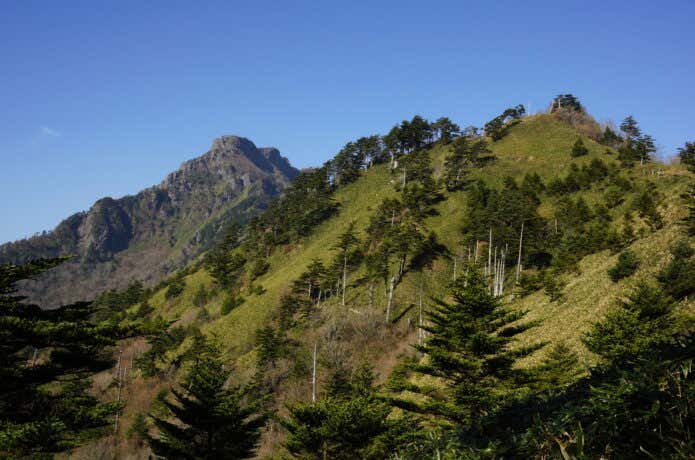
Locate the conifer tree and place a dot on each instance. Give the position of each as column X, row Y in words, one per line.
column 641, row 394
column 689, row 220
column 469, row 351
column 210, row 420
column 446, row 129
column 350, row 422
column 687, row 155
column 46, row 360
column 579, row 149
column 465, row 154
column 346, row 246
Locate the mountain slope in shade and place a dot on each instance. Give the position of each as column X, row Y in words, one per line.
column 145, row 236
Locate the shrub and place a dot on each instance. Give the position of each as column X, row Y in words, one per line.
column 626, row 266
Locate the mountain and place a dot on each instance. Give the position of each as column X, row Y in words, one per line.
column 299, row 317
column 350, row 333
column 147, row 235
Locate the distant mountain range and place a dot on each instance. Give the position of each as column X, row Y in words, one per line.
column 150, row 234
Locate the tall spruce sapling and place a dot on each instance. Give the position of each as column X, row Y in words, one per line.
column 641, row 395
column 208, row 418
column 678, row 277
column 579, row 149
column 469, row 349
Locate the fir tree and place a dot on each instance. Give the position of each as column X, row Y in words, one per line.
column 351, row 422
column 579, row 149
column 678, row 277
column 46, row 360
column 469, row 351
column 627, row 264
column 210, row 420
column 687, row 155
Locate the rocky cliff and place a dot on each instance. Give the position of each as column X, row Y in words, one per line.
column 147, row 235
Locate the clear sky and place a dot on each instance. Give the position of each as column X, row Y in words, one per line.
column 104, row 98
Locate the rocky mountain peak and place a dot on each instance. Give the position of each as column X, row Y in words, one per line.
column 145, row 236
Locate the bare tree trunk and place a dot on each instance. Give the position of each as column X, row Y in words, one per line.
column 313, row 376
column 419, row 328
column 390, row 299
column 371, row 294
column 344, row 276
column 518, row 262
column 455, row 258
column 489, row 254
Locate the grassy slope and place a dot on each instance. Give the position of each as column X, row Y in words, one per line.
column 539, row 144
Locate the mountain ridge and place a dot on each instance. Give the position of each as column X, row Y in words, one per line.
column 232, row 180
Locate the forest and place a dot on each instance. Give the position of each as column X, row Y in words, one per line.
column 520, row 290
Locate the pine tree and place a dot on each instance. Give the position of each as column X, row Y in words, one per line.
column 210, row 420
column 446, row 129
column 46, row 360
column 469, row 351
column 465, row 155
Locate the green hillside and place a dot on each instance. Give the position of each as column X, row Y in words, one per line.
column 348, row 336
column 540, row 144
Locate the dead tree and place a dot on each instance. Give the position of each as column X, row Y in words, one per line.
column 518, row 261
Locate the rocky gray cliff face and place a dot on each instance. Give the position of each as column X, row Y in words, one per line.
column 148, row 235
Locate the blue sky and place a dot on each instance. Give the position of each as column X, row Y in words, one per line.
column 104, row 98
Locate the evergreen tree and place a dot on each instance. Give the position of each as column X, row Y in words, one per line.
column 579, row 149
column 46, row 360
column 352, row 422
column 630, row 128
column 558, row 369
column 210, row 419
column 347, row 165
column 687, row 155
column 628, row 263
column 221, row 262
column 678, row 277
column 689, row 220
column 469, row 351
column 566, row 102
column 445, row 129
column 348, row 254
column 497, row 128
column 641, row 396
column 610, row 137
column 465, row 155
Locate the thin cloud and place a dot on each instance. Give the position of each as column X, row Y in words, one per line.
column 46, row 131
